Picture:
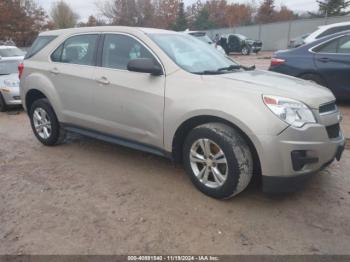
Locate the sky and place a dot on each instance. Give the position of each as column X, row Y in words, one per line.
column 87, row 7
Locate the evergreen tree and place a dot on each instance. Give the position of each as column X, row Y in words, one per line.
column 202, row 20
column 333, row 7
column 181, row 23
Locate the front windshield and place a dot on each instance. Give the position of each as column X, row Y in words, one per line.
column 11, row 52
column 191, row 54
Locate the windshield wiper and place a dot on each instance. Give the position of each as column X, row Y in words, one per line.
column 236, row 67
column 229, row 68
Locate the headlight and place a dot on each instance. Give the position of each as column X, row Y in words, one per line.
column 11, row 83
column 292, row 112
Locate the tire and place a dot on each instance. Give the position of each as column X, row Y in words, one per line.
column 314, row 78
column 54, row 134
column 245, row 50
column 235, row 174
column 3, row 106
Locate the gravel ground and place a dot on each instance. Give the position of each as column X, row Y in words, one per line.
column 89, row 197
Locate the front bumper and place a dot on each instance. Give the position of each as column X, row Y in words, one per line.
column 11, row 95
column 290, row 158
column 278, row 185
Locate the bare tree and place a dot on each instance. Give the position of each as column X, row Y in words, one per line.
column 21, row 21
column 63, row 15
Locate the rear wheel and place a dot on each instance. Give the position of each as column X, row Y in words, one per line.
column 314, row 78
column 45, row 124
column 218, row 160
column 3, row 106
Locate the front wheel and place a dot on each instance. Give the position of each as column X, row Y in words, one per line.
column 218, row 160
column 45, row 124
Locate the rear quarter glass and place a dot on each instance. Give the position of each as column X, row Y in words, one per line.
column 39, row 43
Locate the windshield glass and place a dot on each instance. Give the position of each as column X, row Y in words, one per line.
column 11, row 52
column 191, row 54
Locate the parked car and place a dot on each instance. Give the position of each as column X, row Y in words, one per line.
column 206, row 39
column 9, row 91
column 10, row 58
column 325, row 62
column 238, row 43
column 298, row 41
column 179, row 98
column 327, row 30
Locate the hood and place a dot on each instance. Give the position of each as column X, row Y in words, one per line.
column 269, row 83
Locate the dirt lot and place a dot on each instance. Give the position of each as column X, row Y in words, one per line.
column 89, row 197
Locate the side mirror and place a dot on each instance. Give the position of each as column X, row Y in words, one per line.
column 145, row 65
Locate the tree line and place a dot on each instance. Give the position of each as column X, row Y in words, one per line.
column 22, row 20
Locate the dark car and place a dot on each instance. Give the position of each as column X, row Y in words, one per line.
column 325, row 62
column 237, row 43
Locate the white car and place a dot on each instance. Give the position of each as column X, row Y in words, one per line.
column 10, row 58
column 205, row 38
column 9, row 91
column 326, row 30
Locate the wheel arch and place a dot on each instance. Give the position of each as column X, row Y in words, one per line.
column 36, row 86
column 31, row 96
column 184, row 129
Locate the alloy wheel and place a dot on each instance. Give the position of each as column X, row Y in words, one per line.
column 42, row 123
column 209, row 163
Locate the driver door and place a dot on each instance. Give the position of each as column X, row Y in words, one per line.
column 128, row 105
column 234, row 43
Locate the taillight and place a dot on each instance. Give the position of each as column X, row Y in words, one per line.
column 20, row 70
column 277, row 61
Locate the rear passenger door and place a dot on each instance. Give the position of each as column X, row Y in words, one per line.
column 333, row 63
column 71, row 70
column 128, row 104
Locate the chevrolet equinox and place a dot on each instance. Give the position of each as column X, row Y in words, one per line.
column 170, row 94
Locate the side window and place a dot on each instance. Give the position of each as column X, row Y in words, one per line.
column 39, row 43
column 333, row 30
column 77, row 50
column 344, row 45
column 336, row 46
column 118, row 50
column 330, row 47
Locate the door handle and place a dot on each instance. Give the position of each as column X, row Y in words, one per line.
column 103, row 81
column 324, row 59
column 54, row 71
